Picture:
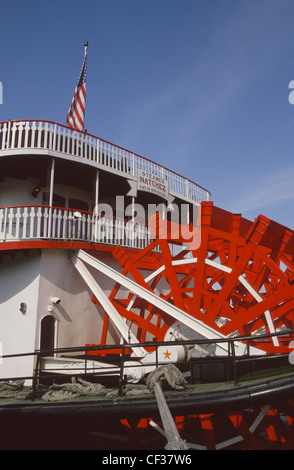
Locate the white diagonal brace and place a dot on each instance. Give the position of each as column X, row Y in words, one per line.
column 108, row 306
column 157, row 301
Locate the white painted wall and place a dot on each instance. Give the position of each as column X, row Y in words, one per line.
column 17, row 192
column 78, row 319
column 19, row 283
column 32, row 277
column 14, row 192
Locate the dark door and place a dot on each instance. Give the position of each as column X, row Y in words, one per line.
column 47, row 333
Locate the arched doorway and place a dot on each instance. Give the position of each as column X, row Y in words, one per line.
column 47, row 333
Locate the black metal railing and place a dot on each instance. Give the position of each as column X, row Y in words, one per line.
column 123, row 354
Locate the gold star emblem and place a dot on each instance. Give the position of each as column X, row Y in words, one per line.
column 167, row 354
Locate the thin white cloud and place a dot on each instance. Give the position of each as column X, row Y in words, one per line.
column 272, row 189
column 186, row 104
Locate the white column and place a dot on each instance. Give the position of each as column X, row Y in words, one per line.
column 51, row 194
column 52, row 172
column 96, row 193
column 96, row 209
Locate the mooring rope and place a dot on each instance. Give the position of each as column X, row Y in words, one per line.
column 174, row 441
column 171, row 374
column 62, row 392
column 81, row 388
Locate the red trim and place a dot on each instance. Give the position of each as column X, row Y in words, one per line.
column 45, row 244
column 110, row 143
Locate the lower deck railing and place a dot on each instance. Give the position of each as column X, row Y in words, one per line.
column 233, row 366
column 19, row 223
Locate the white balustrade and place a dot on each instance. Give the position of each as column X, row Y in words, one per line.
column 20, row 223
column 43, row 135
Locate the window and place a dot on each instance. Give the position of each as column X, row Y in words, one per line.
column 78, row 204
column 58, row 201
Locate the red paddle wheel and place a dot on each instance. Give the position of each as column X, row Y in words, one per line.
column 260, row 428
column 237, row 279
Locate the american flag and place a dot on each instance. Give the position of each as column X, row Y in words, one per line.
column 76, row 114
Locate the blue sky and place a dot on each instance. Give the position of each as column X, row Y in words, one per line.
column 200, row 86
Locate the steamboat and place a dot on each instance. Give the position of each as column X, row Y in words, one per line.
column 133, row 307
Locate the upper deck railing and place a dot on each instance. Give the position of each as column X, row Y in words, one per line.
column 59, row 140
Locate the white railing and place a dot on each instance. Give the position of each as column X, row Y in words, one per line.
column 19, row 223
column 59, row 139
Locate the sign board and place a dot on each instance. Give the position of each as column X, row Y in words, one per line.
column 151, row 183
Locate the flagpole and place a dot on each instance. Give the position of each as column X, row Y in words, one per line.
column 76, row 114
column 86, row 44
column 86, row 47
